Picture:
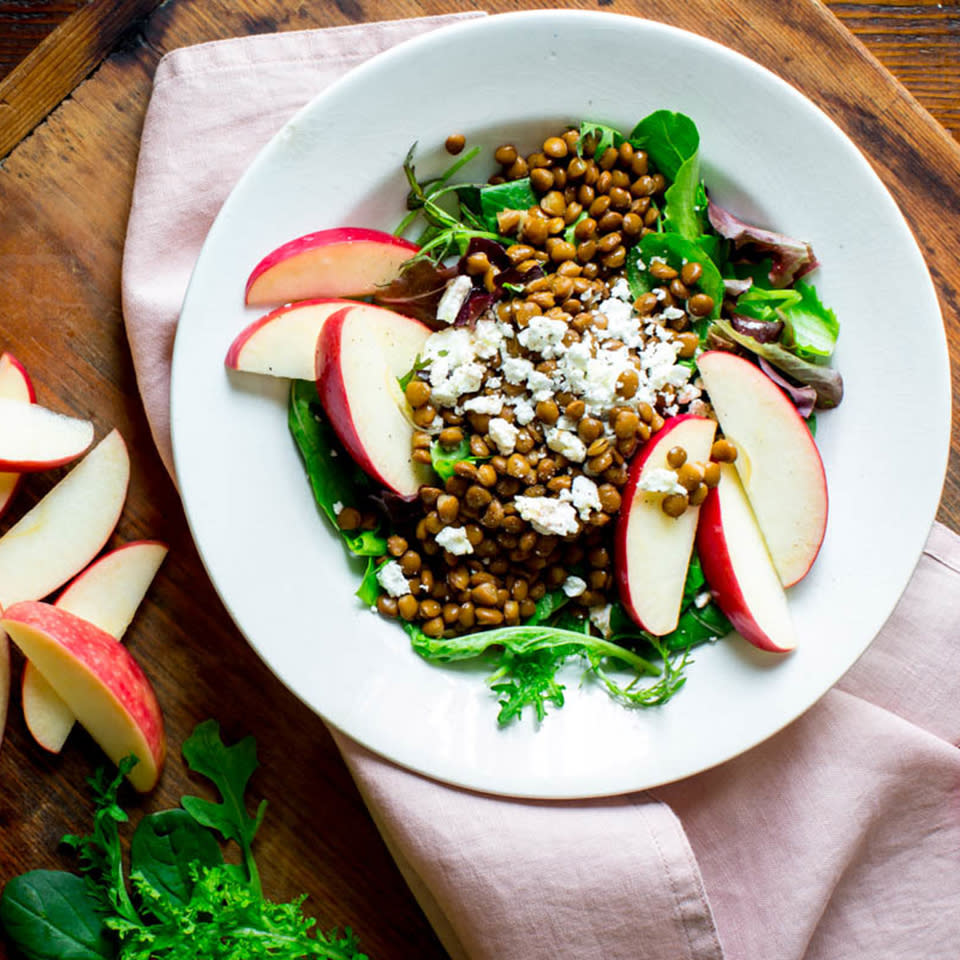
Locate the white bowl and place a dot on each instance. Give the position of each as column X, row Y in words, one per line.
column 767, row 154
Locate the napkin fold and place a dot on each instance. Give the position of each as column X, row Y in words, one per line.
column 838, row 837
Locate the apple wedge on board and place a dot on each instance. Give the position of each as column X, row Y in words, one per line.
column 106, row 594
column 35, row 438
column 15, row 384
column 283, row 343
column 652, row 550
column 362, row 351
column 62, row 533
column 739, row 568
column 777, row 460
column 341, row 262
column 98, row 679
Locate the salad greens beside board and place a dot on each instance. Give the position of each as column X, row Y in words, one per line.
column 777, row 317
column 183, row 900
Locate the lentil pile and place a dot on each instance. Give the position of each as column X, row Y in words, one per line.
column 547, row 395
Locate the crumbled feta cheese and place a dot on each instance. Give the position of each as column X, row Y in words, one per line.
column 454, row 540
column 600, row 618
column 494, row 383
column 547, row 515
column 543, row 335
column 584, row 496
column 337, row 508
column 523, row 411
column 661, row 480
column 489, row 405
column 701, row 599
column 487, row 338
column 621, row 289
column 454, row 297
column 504, row 435
column 390, row 577
column 574, row 586
column 467, row 378
column 516, row 369
column 672, row 313
column 567, row 444
column 540, row 386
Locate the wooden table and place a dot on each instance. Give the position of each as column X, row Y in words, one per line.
column 64, row 193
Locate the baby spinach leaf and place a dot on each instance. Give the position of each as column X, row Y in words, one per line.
column 443, row 460
column 697, row 625
column 681, row 213
column 670, row 140
column 488, row 200
column 549, row 604
column 230, row 769
column 166, row 848
column 49, row 915
column 369, row 588
column 334, row 476
column 675, row 250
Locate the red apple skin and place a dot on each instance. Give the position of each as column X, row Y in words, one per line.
column 235, row 352
column 8, row 360
column 332, row 392
column 34, row 466
column 793, row 422
column 19, row 386
column 717, row 568
column 112, row 665
column 627, row 495
column 389, row 252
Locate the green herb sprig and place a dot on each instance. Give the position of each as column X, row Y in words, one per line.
column 182, row 901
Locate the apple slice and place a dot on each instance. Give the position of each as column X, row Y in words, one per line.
column 106, row 594
column 777, row 459
column 99, row 680
column 739, row 569
column 652, row 550
column 35, row 438
column 361, row 352
column 59, row 536
column 15, row 384
column 343, row 262
column 284, row 342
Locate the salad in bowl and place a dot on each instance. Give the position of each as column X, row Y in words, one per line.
column 565, row 414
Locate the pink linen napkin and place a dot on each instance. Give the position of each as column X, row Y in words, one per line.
column 839, row 837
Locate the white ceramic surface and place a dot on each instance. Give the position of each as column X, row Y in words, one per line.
column 283, row 574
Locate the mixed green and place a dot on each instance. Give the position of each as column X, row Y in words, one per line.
column 181, row 900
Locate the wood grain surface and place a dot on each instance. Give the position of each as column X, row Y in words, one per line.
column 64, row 196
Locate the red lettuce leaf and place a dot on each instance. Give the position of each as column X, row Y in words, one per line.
column 791, row 259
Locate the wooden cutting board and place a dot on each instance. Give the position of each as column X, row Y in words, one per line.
column 64, row 196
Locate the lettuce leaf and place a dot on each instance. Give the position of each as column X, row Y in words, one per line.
column 790, row 259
